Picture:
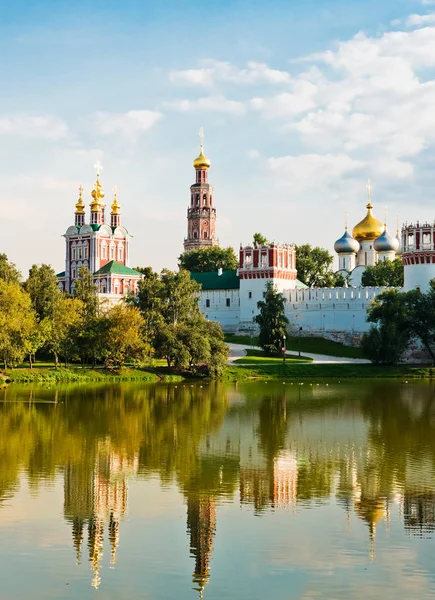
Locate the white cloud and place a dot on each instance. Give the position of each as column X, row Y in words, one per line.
column 299, row 100
column 418, row 20
column 209, row 103
column 313, row 170
column 212, row 72
column 253, row 154
column 128, row 124
column 44, row 127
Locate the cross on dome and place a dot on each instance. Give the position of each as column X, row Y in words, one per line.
column 369, row 189
column 98, row 167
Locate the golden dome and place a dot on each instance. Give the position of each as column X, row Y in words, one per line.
column 80, row 206
column 116, row 208
column 369, row 228
column 201, row 162
column 97, row 195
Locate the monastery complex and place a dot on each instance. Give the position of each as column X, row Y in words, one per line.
column 230, row 297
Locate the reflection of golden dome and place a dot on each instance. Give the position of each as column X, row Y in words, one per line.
column 201, row 162
column 369, row 228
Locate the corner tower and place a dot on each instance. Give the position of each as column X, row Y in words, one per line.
column 201, row 215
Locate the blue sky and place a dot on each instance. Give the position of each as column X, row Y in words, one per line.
column 301, row 102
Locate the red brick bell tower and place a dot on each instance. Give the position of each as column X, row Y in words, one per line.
column 201, row 215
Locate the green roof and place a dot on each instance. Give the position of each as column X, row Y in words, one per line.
column 61, row 274
column 117, row 269
column 300, row 285
column 229, row 280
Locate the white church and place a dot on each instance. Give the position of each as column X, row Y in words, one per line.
column 230, row 297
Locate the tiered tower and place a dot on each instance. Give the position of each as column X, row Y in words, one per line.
column 418, row 244
column 201, row 215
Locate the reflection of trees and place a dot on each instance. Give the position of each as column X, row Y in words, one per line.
column 98, row 435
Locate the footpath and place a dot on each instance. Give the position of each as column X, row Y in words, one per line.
column 239, row 351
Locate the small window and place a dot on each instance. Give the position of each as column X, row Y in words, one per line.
column 112, row 253
column 80, row 254
column 249, row 294
column 264, row 294
column 207, row 303
column 103, row 251
column 228, row 302
column 74, row 254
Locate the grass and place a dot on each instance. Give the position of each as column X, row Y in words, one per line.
column 61, row 375
column 300, row 370
column 314, row 345
column 258, row 357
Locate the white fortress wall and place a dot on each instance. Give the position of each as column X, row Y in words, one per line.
column 222, row 306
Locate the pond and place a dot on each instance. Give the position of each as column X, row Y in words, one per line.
column 248, row 491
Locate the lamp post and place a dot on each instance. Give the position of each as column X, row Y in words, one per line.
column 299, row 341
column 283, row 347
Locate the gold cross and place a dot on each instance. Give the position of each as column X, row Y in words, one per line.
column 201, row 134
column 369, row 189
column 98, row 167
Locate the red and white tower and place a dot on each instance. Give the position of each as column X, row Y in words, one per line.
column 201, row 215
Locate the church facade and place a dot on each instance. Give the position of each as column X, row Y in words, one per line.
column 231, row 297
column 101, row 247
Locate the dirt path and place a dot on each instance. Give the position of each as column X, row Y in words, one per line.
column 239, row 350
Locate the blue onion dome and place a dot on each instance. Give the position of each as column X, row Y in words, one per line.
column 386, row 242
column 346, row 244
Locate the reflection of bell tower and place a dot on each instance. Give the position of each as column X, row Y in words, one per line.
column 201, row 525
column 201, row 216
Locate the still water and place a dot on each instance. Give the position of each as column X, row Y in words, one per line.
column 254, row 491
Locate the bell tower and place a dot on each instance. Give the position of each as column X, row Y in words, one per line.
column 201, row 215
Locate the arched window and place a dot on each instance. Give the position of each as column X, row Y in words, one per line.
column 204, row 199
column 195, row 235
column 112, row 253
column 197, row 199
column 205, row 234
column 104, row 250
column 120, row 253
column 116, row 286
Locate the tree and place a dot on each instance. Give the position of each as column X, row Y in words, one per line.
column 259, row 239
column 42, row 286
column 8, row 271
column 314, row 266
column 272, row 320
column 86, row 291
column 340, row 280
column 17, row 322
column 389, row 337
column 180, row 296
column 122, row 337
column 205, row 260
column 384, row 273
column 422, row 317
column 64, row 327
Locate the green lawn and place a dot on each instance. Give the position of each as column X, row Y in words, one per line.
column 300, row 370
column 258, row 357
column 308, row 345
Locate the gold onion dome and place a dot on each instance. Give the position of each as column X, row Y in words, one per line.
column 97, row 195
column 80, row 206
column 201, row 162
column 115, row 204
column 369, row 228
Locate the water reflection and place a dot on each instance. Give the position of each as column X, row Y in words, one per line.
column 367, row 448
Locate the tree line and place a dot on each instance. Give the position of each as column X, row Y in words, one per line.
column 162, row 320
column 400, row 319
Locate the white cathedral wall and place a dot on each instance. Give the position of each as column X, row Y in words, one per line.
column 319, row 311
column 418, row 277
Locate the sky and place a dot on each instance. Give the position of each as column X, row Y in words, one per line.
column 301, row 102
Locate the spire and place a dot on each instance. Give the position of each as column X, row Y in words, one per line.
column 115, row 215
column 80, row 210
column 369, row 194
column 97, row 204
column 201, row 163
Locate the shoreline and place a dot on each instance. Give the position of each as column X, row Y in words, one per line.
column 232, row 374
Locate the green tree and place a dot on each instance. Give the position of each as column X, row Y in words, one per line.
column 384, row 273
column 389, row 337
column 314, row 266
column 17, row 322
column 86, row 291
column 205, row 260
column 259, row 239
column 122, row 338
column 180, row 296
column 422, row 317
column 8, row 271
column 42, row 286
column 272, row 320
column 63, row 328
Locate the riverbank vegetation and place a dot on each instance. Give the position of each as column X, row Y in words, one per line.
column 163, row 320
column 400, row 319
